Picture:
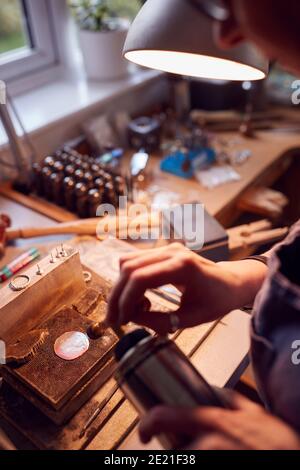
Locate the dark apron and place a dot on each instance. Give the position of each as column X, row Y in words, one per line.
column 275, row 332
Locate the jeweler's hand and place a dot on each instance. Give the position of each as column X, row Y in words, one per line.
column 209, row 290
column 247, row 427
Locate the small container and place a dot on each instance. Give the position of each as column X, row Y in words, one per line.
column 120, row 186
column 85, row 166
column 94, row 201
column 71, row 160
column 88, row 179
column 78, row 163
column 67, row 149
column 58, row 154
column 107, row 177
column 58, row 167
column 153, row 371
column 99, row 184
column 95, row 170
column 110, row 196
column 70, row 170
column 49, row 162
column 64, row 158
column 46, row 174
column 79, row 175
column 91, row 161
column 69, row 193
column 56, row 182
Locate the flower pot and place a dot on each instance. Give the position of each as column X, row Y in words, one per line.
column 102, row 53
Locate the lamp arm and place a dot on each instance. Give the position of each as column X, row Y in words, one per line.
column 15, row 144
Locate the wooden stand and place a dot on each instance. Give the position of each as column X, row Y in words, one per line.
column 56, row 387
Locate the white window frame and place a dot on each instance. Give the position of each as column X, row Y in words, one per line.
column 17, row 68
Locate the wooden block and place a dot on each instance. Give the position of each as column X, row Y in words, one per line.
column 73, row 405
column 56, row 387
column 53, row 379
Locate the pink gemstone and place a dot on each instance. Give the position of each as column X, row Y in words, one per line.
column 71, row 345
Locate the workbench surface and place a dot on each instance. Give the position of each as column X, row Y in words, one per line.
column 223, row 356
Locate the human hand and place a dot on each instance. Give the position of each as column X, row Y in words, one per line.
column 209, row 290
column 245, row 427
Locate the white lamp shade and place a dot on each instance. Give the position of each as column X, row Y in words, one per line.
column 173, row 36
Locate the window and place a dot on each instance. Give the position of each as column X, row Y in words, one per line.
column 27, row 43
column 35, row 44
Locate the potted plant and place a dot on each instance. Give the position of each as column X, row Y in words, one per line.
column 102, row 33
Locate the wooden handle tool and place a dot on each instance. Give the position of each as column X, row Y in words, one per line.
column 100, row 227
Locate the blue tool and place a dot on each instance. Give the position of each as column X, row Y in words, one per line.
column 184, row 164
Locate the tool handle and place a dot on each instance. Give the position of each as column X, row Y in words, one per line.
column 84, row 227
column 94, row 226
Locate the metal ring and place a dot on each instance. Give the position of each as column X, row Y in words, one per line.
column 19, row 283
column 87, row 276
column 174, row 322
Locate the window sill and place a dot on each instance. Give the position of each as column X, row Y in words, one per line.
column 55, row 103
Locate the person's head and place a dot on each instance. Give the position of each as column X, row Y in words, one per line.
column 273, row 25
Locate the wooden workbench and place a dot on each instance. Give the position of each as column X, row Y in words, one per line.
column 272, row 154
column 221, row 358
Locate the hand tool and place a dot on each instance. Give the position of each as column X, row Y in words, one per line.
column 101, row 227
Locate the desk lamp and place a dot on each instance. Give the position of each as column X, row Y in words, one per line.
column 176, row 36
